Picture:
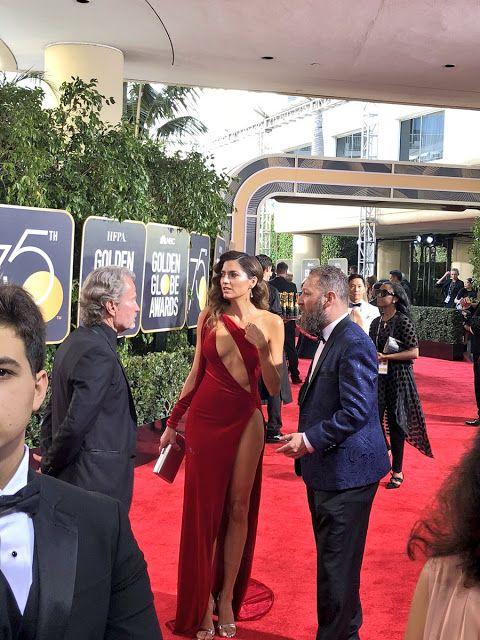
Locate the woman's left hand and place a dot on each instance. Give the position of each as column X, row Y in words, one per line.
column 255, row 336
column 382, row 357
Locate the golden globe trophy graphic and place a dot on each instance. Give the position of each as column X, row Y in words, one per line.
column 46, row 289
column 36, row 252
column 198, row 277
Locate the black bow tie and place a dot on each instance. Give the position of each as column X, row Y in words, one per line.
column 355, row 304
column 26, row 500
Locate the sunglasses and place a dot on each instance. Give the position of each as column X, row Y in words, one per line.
column 383, row 293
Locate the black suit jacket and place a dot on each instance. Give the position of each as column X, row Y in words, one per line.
column 89, row 429
column 93, row 580
column 282, row 284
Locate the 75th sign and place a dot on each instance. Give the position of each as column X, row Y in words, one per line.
column 36, row 251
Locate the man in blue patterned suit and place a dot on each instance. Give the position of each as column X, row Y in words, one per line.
column 340, row 450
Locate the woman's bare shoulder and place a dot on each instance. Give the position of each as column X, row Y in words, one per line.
column 271, row 320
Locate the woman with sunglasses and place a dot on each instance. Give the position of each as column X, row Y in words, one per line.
column 398, row 402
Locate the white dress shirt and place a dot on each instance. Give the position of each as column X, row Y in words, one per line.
column 17, row 540
column 327, row 331
column 367, row 311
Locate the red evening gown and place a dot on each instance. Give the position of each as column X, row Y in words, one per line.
column 219, row 410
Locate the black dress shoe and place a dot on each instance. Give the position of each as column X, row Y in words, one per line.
column 473, row 423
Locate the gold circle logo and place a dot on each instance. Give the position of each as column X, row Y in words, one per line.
column 165, row 284
column 37, row 284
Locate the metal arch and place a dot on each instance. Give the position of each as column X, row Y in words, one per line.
column 386, row 183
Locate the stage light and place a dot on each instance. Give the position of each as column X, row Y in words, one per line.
column 429, row 239
column 418, row 239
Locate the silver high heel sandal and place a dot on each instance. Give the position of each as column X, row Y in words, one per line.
column 228, row 630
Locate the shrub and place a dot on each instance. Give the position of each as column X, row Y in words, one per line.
column 438, row 325
column 156, row 380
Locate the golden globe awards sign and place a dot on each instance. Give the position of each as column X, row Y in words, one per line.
column 36, row 251
column 164, row 302
column 198, row 277
column 107, row 242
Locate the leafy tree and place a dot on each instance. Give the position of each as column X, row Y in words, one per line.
column 68, row 158
column 187, row 191
column 161, row 110
column 475, row 250
column 26, row 144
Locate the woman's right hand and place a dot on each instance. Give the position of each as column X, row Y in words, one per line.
column 169, row 436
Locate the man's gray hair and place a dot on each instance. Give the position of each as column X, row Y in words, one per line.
column 100, row 286
column 456, row 270
column 332, row 279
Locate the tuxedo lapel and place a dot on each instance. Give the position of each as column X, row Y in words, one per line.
column 56, row 537
column 326, row 348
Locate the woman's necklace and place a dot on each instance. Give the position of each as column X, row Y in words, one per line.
column 385, row 320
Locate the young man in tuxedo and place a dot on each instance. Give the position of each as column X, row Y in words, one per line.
column 340, row 449
column 282, row 284
column 361, row 311
column 69, row 566
column 89, row 431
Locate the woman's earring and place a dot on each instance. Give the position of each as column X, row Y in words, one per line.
column 251, row 292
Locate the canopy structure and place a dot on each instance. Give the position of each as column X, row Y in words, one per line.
column 338, row 181
column 379, row 50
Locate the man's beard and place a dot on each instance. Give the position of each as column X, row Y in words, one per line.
column 313, row 322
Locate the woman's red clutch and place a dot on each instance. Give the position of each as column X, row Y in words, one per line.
column 170, row 459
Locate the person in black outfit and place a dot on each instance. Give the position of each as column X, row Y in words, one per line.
column 397, row 346
column 90, row 426
column 73, row 569
column 397, row 276
column 468, row 291
column 274, row 403
column 451, row 287
column 282, row 284
column 472, row 325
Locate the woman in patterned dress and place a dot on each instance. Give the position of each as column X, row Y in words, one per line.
column 398, row 401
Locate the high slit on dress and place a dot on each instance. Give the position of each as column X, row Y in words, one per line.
column 219, row 411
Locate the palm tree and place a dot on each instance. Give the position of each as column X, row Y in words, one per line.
column 161, row 111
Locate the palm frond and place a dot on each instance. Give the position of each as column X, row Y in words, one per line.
column 184, row 125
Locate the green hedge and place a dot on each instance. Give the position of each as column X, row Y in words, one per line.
column 438, row 324
column 156, row 380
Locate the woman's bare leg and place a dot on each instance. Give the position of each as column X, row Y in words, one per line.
column 244, row 470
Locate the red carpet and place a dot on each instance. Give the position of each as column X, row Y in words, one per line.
column 285, row 557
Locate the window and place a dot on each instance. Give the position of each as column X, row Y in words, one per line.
column 349, row 146
column 300, row 151
column 421, row 139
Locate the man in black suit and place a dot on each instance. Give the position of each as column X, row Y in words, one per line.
column 282, row 284
column 340, row 449
column 70, row 568
column 451, row 286
column 274, row 403
column 89, row 429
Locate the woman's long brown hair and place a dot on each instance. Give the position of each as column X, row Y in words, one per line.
column 252, row 267
column 453, row 526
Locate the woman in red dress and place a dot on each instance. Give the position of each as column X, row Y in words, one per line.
column 239, row 341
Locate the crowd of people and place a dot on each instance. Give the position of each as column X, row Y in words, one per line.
column 69, row 564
